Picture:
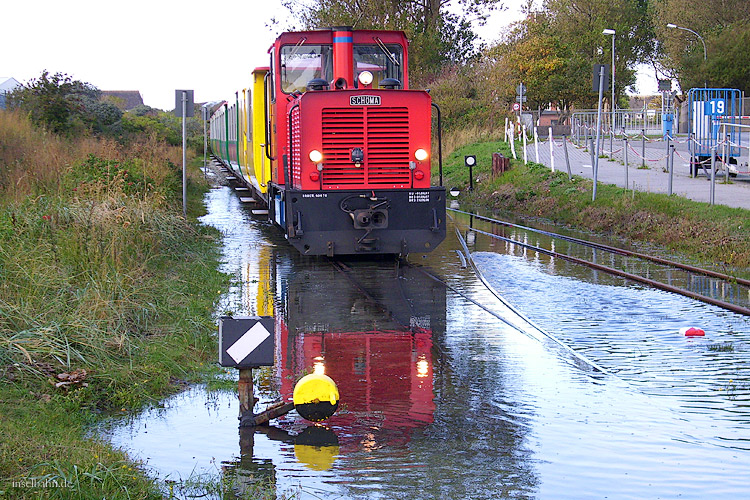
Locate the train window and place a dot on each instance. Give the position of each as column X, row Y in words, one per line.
column 382, row 60
column 301, row 63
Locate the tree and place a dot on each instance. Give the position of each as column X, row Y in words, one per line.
column 724, row 26
column 553, row 49
column 438, row 35
column 59, row 103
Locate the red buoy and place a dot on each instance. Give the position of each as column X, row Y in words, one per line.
column 692, row 332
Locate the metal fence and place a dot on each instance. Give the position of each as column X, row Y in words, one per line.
column 709, row 110
column 628, row 121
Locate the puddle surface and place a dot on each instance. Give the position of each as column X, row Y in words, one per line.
column 440, row 397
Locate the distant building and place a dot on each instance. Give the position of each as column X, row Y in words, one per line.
column 7, row 84
column 123, row 99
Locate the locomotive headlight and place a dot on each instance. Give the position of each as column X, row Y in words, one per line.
column 316, row 156
column 365, row 78
column 420, row 154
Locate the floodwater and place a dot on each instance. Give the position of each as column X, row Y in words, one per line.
column 578, row 386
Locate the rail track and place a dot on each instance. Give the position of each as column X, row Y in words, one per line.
column 739, row 287
column 514, row 319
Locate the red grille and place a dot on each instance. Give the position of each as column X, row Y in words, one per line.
column 383, row 134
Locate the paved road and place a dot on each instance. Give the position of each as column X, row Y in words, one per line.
column 654, row 177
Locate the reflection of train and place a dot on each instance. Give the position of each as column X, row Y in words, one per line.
column 331, row 141
column 375, row 339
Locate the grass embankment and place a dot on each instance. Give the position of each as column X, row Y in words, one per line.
column 106, row 295
column 709, row 235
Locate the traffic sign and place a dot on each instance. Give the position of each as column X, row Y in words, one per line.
column 516, row 106
column 521, row 89
column 521, row 98
column 246, row 342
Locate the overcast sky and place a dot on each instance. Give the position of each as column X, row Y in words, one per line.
column 154, row 46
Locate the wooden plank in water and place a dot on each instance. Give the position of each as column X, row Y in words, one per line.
column 247, row 199
column 260, row 212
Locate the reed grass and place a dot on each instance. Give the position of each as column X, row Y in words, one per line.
column 102, row 277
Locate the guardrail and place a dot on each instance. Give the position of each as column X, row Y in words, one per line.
column 629, row 121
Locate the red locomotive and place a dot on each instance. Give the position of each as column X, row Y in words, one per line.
column 335, row 145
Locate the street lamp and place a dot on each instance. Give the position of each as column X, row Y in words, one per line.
column 674, row 26
column 612, row 104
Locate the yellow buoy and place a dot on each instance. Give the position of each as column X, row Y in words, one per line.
column 316, row 397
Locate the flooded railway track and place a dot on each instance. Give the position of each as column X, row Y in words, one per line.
column 450, row 389
column 725, row 291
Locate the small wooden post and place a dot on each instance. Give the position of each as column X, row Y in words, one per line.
column 247, row 401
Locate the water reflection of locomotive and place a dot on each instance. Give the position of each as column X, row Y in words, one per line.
column 331, row 141
column 374, row 337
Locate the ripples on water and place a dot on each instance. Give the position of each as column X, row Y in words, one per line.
column 470, row 407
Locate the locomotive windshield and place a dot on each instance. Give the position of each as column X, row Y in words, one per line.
column 382, row 60
column 301, row 63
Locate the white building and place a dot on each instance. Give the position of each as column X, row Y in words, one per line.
column 7, row 84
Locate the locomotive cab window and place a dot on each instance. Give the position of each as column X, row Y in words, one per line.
column 302, row 63
column 382, row 60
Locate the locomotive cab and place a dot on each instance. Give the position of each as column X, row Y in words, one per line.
column 345, row 145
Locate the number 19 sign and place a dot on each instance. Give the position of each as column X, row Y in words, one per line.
column 716, row 107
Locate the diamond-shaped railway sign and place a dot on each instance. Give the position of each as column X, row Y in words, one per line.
column 246, row 342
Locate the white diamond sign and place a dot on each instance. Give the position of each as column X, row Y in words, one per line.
column 246, row 342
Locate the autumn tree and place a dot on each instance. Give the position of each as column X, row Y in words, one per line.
column 554, row 48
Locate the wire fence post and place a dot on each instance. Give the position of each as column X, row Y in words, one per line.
column 551, row 150
column 725, row 159
column 567, row 159
column 643, row 147
column 626, row 160
column 671, row 167
column 585, row 134
column 713, row 175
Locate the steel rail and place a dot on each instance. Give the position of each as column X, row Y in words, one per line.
column 346, row 271
column 630, row 276
column 620, row 251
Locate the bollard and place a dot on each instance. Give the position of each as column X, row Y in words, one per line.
column 536, row 144
column 525, row 154
column 316, row 397
column 591, row 151
column 643, row 147
column 667, row 157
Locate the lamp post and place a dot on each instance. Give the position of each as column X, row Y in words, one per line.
column 612, row 104
column 674, row 26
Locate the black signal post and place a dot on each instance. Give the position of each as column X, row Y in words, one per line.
column 470, row 161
